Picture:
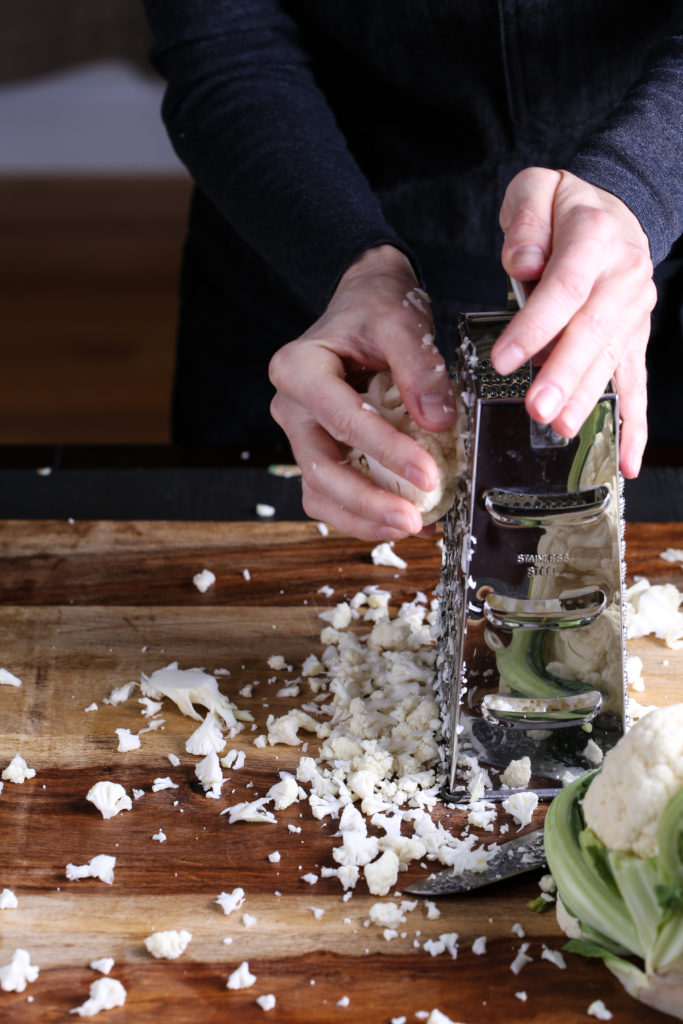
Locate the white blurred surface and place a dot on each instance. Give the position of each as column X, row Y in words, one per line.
column 101, row 118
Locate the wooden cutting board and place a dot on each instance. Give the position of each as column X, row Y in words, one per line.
column 85, row 607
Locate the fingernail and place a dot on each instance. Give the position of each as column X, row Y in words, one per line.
column 437, row 406
column 417, row 477
column 401, row 521
column 572, row 417
column 507, row 356
column 527, row 257
column 547, row 401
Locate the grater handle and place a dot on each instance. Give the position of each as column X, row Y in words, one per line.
column 509, row 507
column 569, row 612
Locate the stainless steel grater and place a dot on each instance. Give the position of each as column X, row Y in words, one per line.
column 531, row 647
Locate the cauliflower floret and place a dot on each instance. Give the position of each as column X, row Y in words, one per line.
column 105, row 994
column 15, row 975
column 446, row 448
column 17, row 770
column 168, row 945
column 109, row 798
column 639, row 775
column 190, row 686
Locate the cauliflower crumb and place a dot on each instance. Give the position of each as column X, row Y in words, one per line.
column 92, row 707
column 203, row 580
column 127, row 740
column 479, row 945
column 15, row 975
column 278, row 663
column 323, row 529
column 521, row 960
column 344, row 1001
column 384, row 554
column 103, row 965
column 264, row 511
column 310, row 878
column 437, row 1017
column 593, row 753
column 109, row 798
column 598, row 1009
column 248, row 920
column 8, row 901
column 17, row 770
column 8, row 679
column 101, row 867
column 521, row 806
column 554, row 956
column 266, row 1002
column 274, row 857
column 317, row 912
column 381, row 875
column 241, row 977
column 230, row 901
column 168, row 945
column 105, row 994
column 160, row 836
column 163, row 783
column 522, row 996
column 517, row 774
column 433, row 911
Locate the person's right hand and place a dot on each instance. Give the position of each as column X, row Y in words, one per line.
column 378, row 318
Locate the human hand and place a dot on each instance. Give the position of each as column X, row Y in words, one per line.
column 594, row 299
column 378, row 318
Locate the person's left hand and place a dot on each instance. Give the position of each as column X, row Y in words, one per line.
column 593, row 299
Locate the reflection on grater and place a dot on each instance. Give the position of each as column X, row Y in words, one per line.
column 531, row 647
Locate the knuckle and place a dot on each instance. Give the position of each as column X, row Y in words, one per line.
column 572, row 283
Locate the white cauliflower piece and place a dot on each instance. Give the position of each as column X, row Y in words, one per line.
column 8, row 901
column 446, row 448
column 105, row 994
column 624, row 803
column 381, row 875
column 109, row 798
column 168, row 945
column 209, row 773
column 284, row 793
column 17, row 770
column 655, row 609
column 241, row 977
column 127, row 741
column 517, row 774
column 15, row 975
column 203, row 580
column 8, row 679
column 230, row 901
column 104, row 964
column 207, row 737
column 285, row 728
column 190, row 686
column 101, row 866
column 521, row 806
column 384, row 554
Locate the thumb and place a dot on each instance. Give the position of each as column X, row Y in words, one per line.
column 526, row 217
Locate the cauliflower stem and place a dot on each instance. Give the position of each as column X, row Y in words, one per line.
column 625, row 905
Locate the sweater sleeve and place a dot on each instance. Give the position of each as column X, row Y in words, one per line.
column 637, row 154
column 246, row 117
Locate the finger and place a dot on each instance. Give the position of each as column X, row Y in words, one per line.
column 575, row 372
column 422, row 380
column 582, row 241
column 526, row 217
column 325, row 473
column 312, row 381
column 631, row 381
column 321, row 507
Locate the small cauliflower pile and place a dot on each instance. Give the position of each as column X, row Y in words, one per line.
column 614, row 844
column 447, row 448
column 379, row 760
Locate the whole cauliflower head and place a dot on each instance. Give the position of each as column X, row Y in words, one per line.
column 447, row 448
column 639, row 775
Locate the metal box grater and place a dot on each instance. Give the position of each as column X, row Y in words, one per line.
column 531, row 648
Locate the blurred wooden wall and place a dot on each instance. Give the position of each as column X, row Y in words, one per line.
column 88, row 304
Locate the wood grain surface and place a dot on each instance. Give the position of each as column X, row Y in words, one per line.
column 85, row 607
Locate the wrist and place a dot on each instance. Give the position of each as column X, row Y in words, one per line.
column 381, row 259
